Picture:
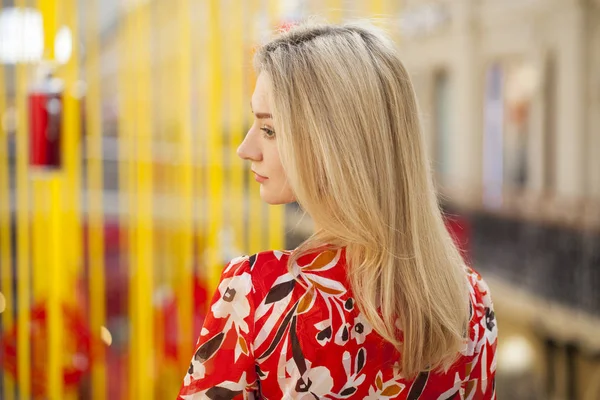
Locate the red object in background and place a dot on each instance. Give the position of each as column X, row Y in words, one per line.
column 460, row 230
column 286, row 26
column 45, row 115
column 172, row 334
column 78, row 348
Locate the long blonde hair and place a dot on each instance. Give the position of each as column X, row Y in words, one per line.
column 351, row 144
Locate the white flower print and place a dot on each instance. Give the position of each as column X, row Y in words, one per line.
column 343, row 335
column 324, row 335
column 234, row 301
column 195, row 371
column 318, row 382
column 223, row 390
column 360, row 329
column 354, row 380
column 235, row 263
column 315, row 383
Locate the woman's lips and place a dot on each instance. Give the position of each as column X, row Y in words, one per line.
column 259, row 178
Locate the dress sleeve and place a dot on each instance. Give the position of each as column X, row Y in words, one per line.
column 483, row 371
column 223, row 365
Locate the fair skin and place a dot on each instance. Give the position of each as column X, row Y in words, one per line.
column 260, row 148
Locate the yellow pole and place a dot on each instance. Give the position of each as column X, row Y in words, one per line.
column 23, row 262
column 201, row 168
column 238, row 109
column 127, row 146
column 334, row 10
column 71, row 159
column 134, row 62
column 52, row 187
column 380, row 7
column 184, row 258
column 126, row 83
column 42, row 265
column 71, row 154
column 377, row 10
column 6, row 275
column 95, row 189
column 166, row 174
column 39, row 258
column 214, row 159
column 49, row 20
column 142, row 274
column 41, row 213
column 256, row 224
column 276, row 235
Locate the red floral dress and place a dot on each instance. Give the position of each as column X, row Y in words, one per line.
column 268, row 337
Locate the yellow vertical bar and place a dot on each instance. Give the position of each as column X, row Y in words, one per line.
column 41, row 250
column 276, row 231
column 214, row 159
column 70, row 151
column 52, row 187
column 49, row 19
column 165, row 173
column 71, row 158
column 142, row 275
column 274, row 13
column 95, row 190
column 135, row 374
column 255, row 209
column 377, row 10
column 334, row 10
column 130, row 53
column 184, row 175
column 126, row 83
column 39, row 235
column 6, row 275
column 238, row 109
column 23, row 262
column 200, row 61
column 379, row 7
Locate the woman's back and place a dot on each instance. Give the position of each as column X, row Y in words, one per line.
column 272, row 335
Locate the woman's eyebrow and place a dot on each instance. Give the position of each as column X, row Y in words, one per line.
column 260, row 115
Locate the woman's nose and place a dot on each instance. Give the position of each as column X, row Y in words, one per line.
column 249, row 150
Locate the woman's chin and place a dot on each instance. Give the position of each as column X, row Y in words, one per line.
column 269, row 198
column 273, row 199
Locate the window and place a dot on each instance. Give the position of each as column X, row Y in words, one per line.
column 442, row 124
column 493, row 148
column 549, row 149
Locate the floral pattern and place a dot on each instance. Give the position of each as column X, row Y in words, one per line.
column 276, row 334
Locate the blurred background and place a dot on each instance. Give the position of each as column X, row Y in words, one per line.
column 121, row 197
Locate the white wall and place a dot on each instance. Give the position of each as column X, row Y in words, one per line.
column 482, row 32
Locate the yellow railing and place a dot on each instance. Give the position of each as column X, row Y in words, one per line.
column 23, row 241
column 179, row 76
column 6, row 275
column 95, row 176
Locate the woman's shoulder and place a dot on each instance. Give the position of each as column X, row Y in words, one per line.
column 483, row 326
column 480, row 294
column 268, row 270
column 260, row 268
column 257, row 261
column 277, row 260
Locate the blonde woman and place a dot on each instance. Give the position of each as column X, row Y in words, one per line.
column 378, row 303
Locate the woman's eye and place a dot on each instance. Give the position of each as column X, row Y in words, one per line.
column 268, row 132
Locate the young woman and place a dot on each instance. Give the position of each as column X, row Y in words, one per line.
column 378, row 303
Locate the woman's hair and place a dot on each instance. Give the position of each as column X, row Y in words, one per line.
column 351, row 144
